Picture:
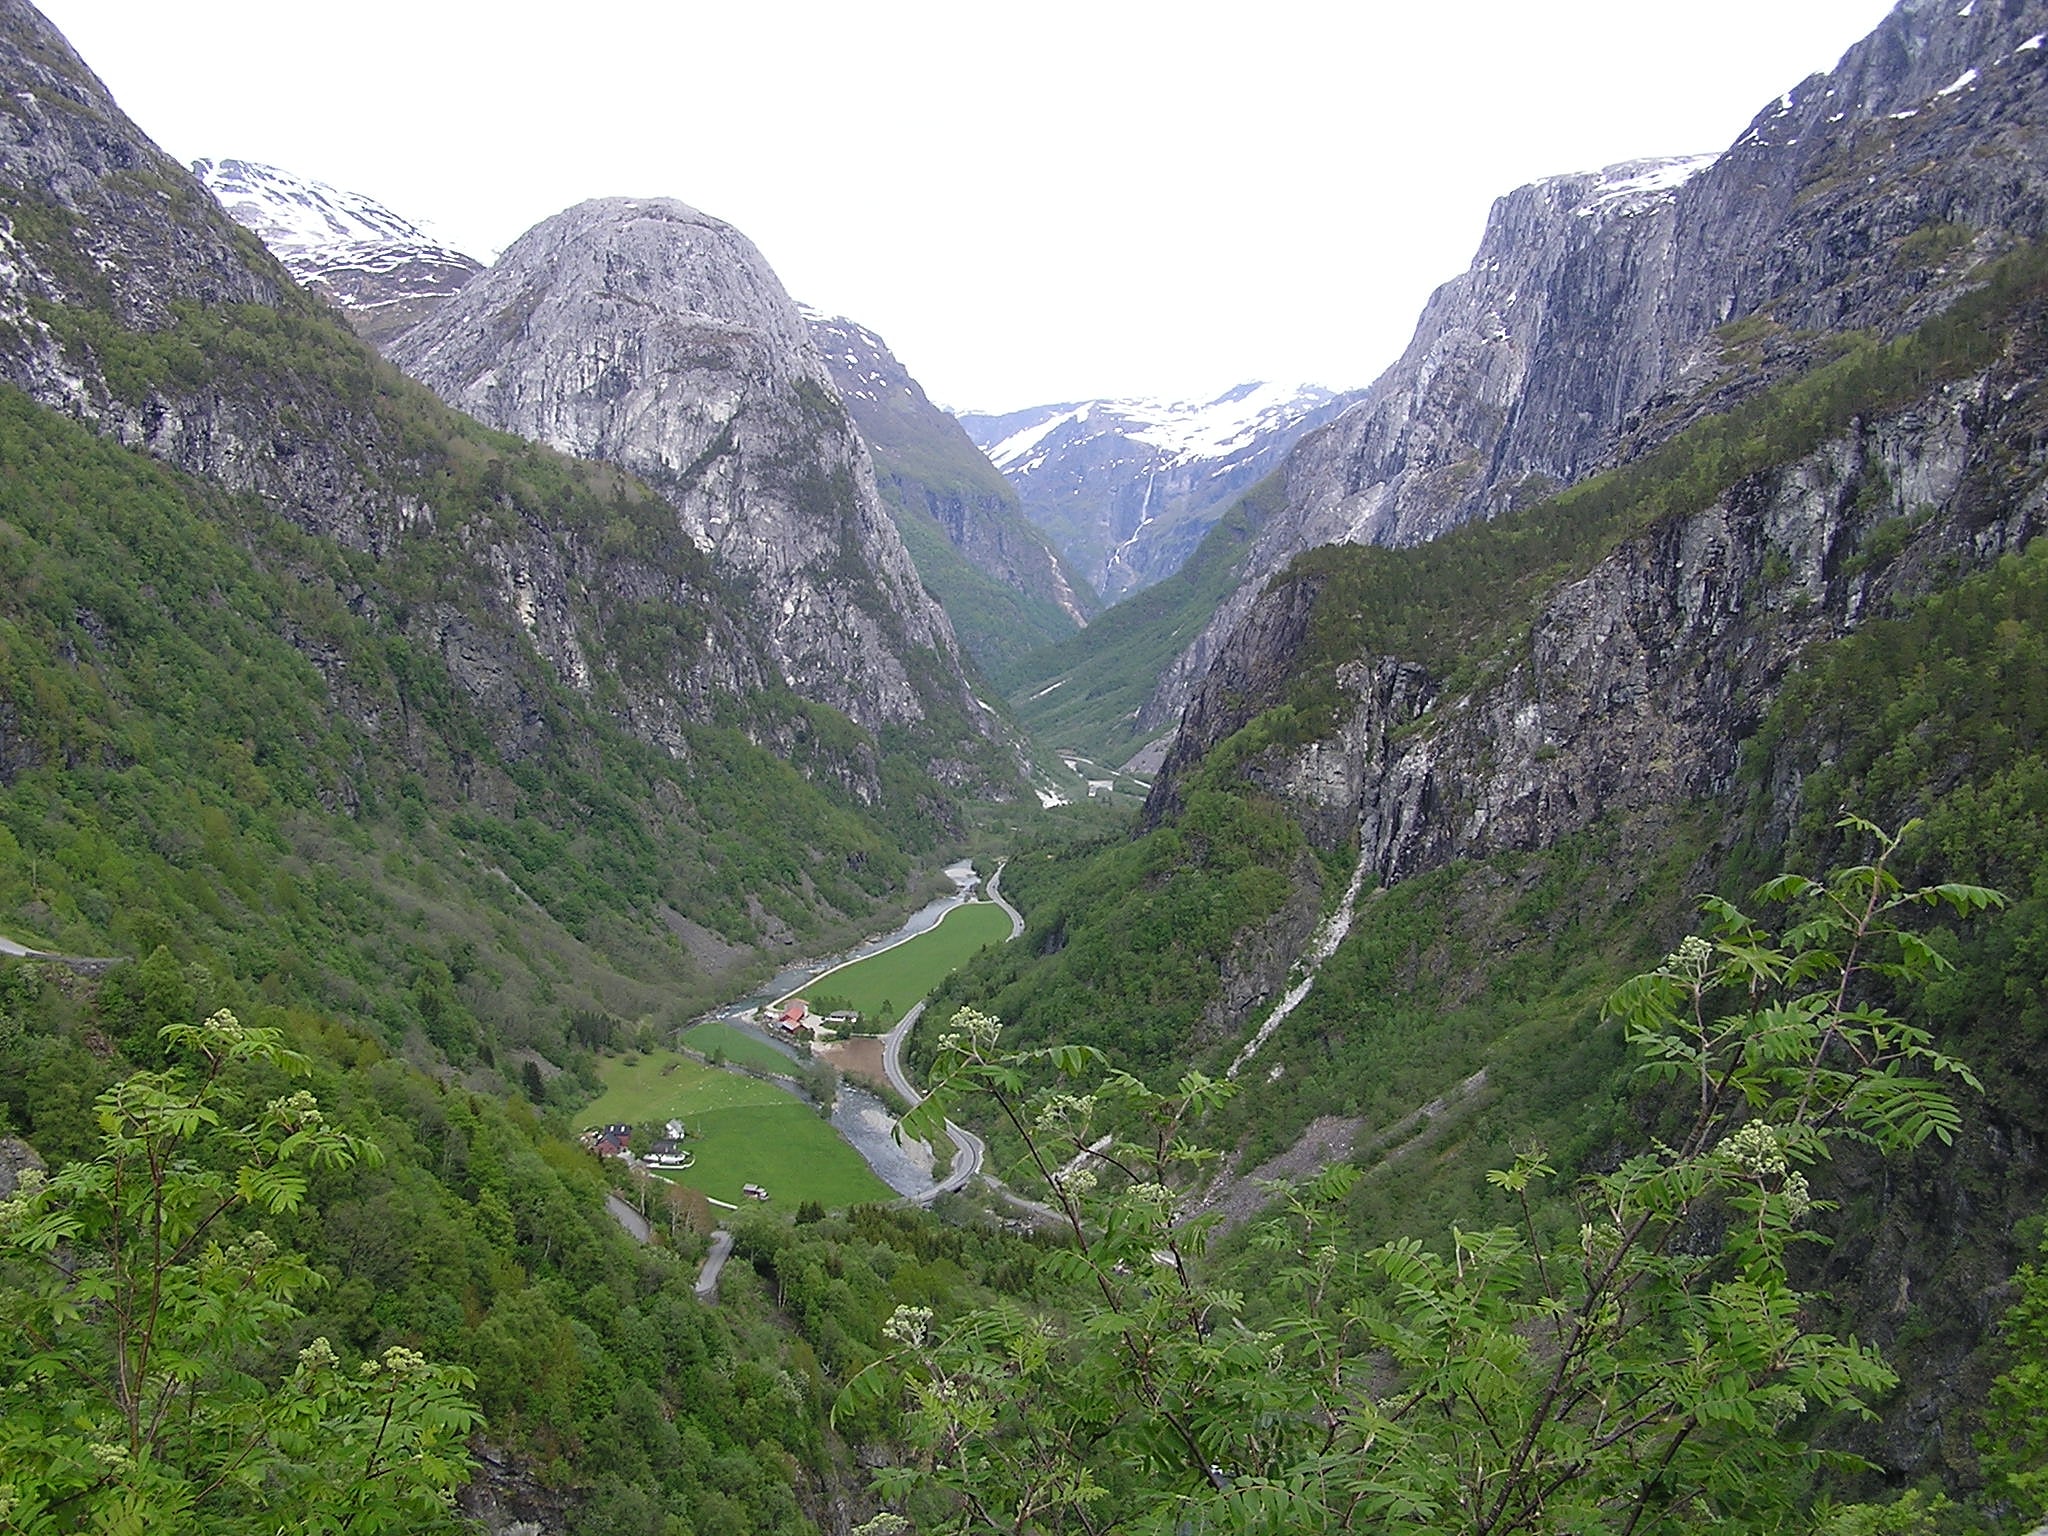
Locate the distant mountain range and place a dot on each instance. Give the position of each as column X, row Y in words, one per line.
column 1126, row 488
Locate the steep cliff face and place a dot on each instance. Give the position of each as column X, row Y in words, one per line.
column 934, row 480
column 1651, row 692
column 383, row 272
column 645, row 334
column 105, row 237
column 1641, row 679
column 1604, row 311
column 1127, row 488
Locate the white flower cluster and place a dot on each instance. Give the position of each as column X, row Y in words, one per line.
column 399, row 1363
column 908, row 1326
column 318, row 1355
column 982, row 1030
column 299, row 1110
column 1060, row 1111
column 1755, row 1151
column 27, row 1185
column 1075, row 1182
column 1690, row 961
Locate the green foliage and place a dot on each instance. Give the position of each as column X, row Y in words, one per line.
column 995, row 622
column 135, row 1295
column 2015, row 1440
column 1125, row 947
column 1649, row 1370
column 181, row 775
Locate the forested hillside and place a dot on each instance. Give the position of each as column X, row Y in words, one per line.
column 1559, row 1051
column 1486, row 778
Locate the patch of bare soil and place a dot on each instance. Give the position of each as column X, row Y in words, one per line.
column 856, row 1056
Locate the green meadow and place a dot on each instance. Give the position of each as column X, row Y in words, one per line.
column 741, row 1130
column 737, row 1046
column 900, row 976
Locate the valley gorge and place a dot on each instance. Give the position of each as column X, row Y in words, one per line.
column 450, row 684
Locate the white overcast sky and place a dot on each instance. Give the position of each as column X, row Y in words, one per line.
column 1029, row 201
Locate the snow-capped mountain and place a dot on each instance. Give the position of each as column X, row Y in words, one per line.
column 1127, row 488
column 380, row 269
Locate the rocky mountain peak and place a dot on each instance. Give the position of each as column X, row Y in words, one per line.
column 643, row 332
column 1605, row 310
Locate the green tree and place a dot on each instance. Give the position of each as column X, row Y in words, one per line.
column 2016, row 1435
column 1645, row 1365
column 139, row 1305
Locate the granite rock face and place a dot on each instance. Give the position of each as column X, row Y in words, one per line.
column 1604, row 311
column 95, row 218
column 118, row 274
column 1642, row 678
column 648, row 335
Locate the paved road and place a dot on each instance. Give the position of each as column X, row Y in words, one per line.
column 995, row 894
column 88, row 965
column 714, row 1261
column 636, row 1225
column 624, row 1214
column 972, row 1151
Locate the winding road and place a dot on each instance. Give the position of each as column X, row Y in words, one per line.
column 714, row 1261
column 973, row 1151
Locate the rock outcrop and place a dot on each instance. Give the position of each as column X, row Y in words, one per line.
column 1642, row 678
column 648, row 335
column 1604, row 311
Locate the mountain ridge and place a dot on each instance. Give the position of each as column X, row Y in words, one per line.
column 1587, row 330
column 383, row 272
column 1127, row 488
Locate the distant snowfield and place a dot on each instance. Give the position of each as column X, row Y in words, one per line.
column 297, row 216
column 1183, row 432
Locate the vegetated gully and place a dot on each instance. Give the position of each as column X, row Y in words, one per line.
column 862, row 1120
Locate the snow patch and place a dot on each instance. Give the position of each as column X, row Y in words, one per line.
column 1961, row 82
column 1640, row 182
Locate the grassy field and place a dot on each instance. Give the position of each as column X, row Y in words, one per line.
column 737, row 1045
column 898, row 977
column 742, row 1131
